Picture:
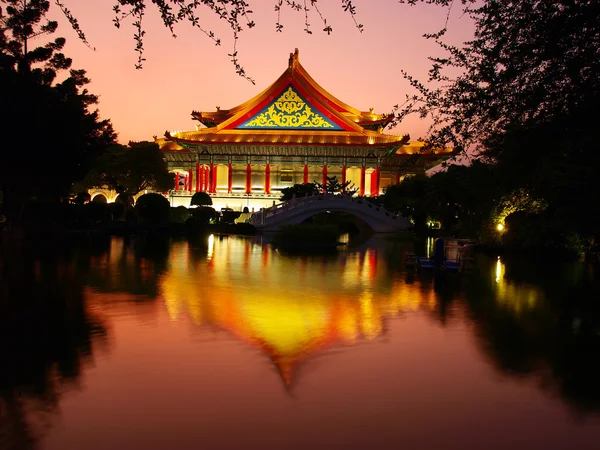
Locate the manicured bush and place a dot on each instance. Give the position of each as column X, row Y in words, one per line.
column 203, row 215
column 179, row 214
column 117, row 210
column 153, row 208
column 97, row 213
column 201, row 199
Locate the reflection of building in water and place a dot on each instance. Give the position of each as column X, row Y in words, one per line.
column 303, row 306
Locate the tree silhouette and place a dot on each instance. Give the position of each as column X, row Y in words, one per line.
column 299, row 190
column 334, row 186
column 130, row 169
column 50, row 137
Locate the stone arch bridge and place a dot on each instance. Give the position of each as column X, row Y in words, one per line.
column 298, row 210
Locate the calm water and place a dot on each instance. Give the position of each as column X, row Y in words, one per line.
column 227, row 344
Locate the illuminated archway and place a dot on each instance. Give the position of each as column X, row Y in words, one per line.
column 99, row 198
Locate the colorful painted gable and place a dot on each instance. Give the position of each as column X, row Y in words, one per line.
column 290, row 111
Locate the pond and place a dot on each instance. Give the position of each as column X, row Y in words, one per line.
column 224, row 342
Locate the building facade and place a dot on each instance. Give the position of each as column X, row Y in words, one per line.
column 292, row 132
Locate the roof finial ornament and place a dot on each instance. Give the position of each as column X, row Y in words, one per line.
column 294, row 59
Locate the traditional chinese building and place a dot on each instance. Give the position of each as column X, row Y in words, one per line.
column 292, row 132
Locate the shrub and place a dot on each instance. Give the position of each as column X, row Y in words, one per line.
column 203, row 215
column 97, row 213
column 153, row 208
column 201, row 199
column 229, row 216
column 179, row 214
column 117, row 210
column 82, row 198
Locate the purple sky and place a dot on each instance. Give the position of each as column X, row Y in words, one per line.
column 191, row 73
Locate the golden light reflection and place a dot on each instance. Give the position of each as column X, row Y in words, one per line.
column 371, row 320
column 499, row 270
column 211, row 246
column 517, row 297
column 300, row 308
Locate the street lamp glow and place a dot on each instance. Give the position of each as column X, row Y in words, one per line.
column 500, row 227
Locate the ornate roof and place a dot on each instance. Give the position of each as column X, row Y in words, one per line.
column 367, row 119
column 294, row 110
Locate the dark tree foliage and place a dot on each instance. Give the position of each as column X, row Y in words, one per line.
column 130, row 169
column 461, row 198
column 530, row 62
column 408, row 198
column 525, row 98
column 334, row 186
column 50, row 137
column 299, row 190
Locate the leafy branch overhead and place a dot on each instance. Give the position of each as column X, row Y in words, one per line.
column 236, row 13
column 530, row 62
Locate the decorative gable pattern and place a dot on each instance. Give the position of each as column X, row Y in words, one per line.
column 289, row 112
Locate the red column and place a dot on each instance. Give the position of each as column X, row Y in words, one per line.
column 185, row 182
column 204, row 179
column 374, row 183
column 343, row 174
column 377, row 178
column 191, row 175
column 214, row 179
column 248, row 179
column 197, row 177
column 230, row 179
column 363, row 172
column 211, row 176
column 268, row 179
column 324, row 181
column 176, row 187
column 305, row 173
column 398, row 178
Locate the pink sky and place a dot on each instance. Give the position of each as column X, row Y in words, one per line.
column 191, row 73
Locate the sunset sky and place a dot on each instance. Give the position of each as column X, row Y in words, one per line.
column 191, row 73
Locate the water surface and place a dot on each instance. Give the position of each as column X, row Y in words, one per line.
column 225, row 343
